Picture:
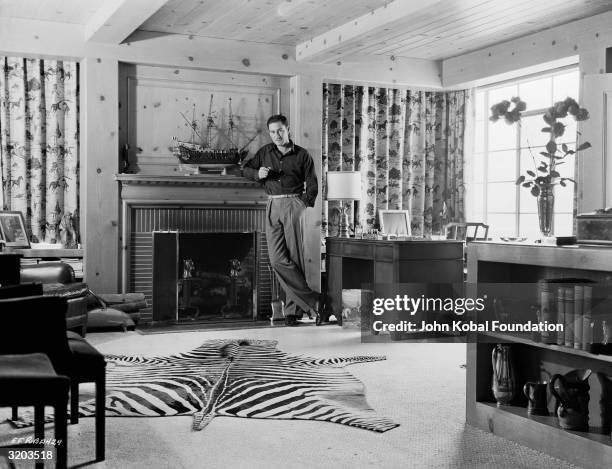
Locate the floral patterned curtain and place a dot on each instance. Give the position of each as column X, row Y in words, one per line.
column 39, row 148
column 408, row 146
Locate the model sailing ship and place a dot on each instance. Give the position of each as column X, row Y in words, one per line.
column 205, row 155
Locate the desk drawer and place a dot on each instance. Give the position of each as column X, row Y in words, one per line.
column 434, row 271
column 364, row 251
column 425, row 250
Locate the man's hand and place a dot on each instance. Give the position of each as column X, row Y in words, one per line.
column 263, row 172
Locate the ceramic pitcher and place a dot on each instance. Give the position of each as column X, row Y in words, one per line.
column 572, row 393
column 535, row 392
column 504, row 380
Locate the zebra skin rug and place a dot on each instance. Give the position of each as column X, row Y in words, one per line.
column 237, row 378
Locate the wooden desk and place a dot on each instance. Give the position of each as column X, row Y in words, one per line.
column 353, row 262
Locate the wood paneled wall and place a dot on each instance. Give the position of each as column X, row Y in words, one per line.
column 99, row 163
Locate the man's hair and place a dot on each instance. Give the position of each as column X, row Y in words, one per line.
column 277, row 118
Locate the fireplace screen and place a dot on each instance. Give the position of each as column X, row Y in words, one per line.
column 210, row 276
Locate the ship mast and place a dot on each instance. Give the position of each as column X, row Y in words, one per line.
column 210, row 123
column 194, row 124
column 230, row 132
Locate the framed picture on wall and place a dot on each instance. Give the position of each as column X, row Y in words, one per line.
column 13, row 230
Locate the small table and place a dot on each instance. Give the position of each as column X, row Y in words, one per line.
column 352, row 262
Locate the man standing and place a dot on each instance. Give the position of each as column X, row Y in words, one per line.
column 288, row 175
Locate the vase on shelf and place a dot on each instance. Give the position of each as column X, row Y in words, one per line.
column 546, row 209
column 572, row 393
column 504, row 379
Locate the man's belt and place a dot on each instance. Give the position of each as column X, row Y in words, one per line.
column 282, row 196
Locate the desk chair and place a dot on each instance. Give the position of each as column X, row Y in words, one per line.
column 30, row 380
column 467, row 231
column 38, row 325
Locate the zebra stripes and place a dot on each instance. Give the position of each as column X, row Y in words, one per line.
column 241, row 378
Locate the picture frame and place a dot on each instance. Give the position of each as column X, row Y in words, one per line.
column 395, row 222
column 13, row 229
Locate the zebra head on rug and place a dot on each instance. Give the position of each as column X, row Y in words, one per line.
column 240, row 378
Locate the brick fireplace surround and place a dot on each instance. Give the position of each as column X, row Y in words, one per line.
column 188, row 204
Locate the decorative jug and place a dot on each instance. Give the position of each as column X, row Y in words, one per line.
column 535, row 392
column 572, row 393
column 504, row 380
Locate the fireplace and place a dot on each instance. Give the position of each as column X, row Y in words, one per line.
column 168, row 219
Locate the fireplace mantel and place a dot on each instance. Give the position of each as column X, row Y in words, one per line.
column 203, row 180
column 194, row 189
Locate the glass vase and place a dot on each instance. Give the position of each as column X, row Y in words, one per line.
column 504, row 379
column 546, row 209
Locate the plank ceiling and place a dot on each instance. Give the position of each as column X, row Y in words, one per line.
column 266, row 21
column 61, row 11
column 430, row 29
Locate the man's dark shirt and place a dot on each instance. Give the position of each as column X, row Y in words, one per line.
column 287, row 174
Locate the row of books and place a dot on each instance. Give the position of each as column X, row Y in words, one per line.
column 572, row 306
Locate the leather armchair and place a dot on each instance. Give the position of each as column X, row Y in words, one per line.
column 58, row 280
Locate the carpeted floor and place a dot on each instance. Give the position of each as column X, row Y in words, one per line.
column 420, row 386
column 202, row 326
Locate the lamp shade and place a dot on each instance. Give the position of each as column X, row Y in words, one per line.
column 343, row 185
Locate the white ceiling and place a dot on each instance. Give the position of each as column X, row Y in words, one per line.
column 426, row 29
column 60, row 11
column 266, row 21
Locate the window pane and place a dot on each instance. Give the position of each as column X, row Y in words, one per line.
column 500, row 94
column 501, row 225
column 566, row 85
column 479, row 137
column 529, row 226
column 563, row 224
column 528, row 203
column 527, row 161
column 531, row 131
column 479, row 104
column 536, row 93
column 477, row 167
column 566, row 169
column 475, row 201
column 569, row 136
column 501, row 197
column 501, row 136
column 564, row 198
column 502, row 166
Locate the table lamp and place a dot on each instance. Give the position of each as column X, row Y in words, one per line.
column 344, row 186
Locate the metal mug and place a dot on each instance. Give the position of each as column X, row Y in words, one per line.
column 535, row 392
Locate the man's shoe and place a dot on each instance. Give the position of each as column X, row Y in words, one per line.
column 319, row 310
column 290, row 320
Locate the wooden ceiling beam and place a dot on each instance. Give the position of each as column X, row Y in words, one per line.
column 117, row 19
column 366, row 26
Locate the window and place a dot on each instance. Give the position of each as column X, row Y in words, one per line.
column 503, row 152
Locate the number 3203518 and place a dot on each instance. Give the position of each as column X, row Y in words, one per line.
column 37, row 455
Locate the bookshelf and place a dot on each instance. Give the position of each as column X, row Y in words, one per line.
column 490, row 262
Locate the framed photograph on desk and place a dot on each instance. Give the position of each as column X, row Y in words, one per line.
column 13, row 230
column 395, row 222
